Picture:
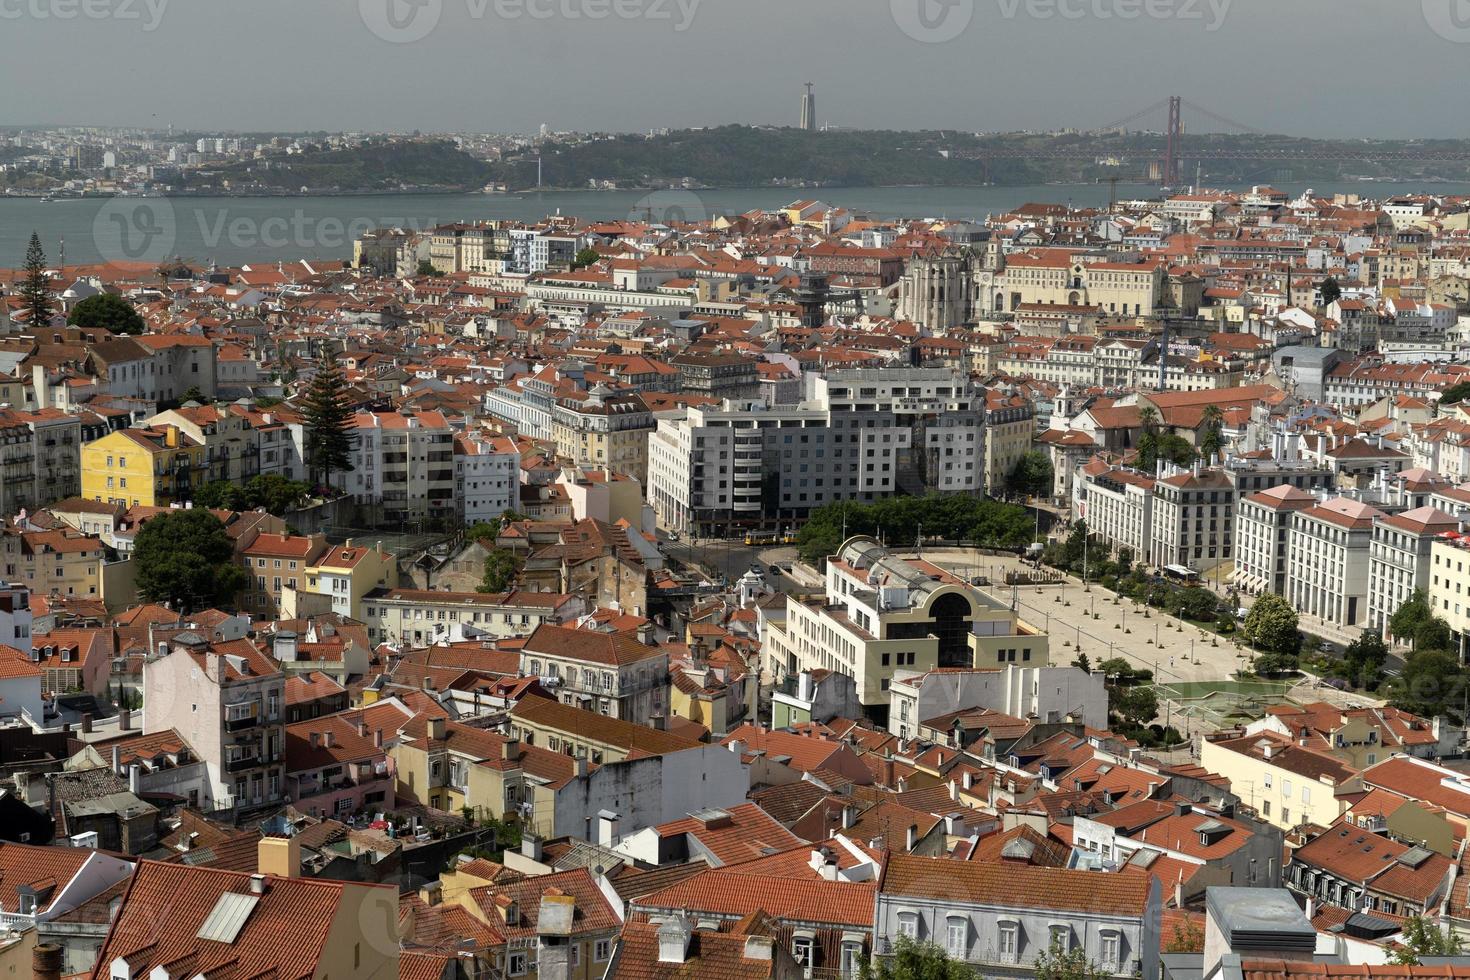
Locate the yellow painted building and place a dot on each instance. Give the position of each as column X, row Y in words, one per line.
column 347, row 572
column 150, row 467
column 1286, row 784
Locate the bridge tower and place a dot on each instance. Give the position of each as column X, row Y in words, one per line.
column 1176, row 141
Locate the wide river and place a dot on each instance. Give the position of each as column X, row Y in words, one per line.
column 235, row 230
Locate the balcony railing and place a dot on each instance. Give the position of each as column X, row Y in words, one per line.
column 243, row 762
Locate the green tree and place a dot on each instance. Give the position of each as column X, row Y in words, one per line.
column 1422, row 938
column 1433, row 634
column 1431, row 684
column 1211, row 441
column 1134, row 706
column 1198, row 603
column 185, row 558
column 1364, row 659
column 35, row 286
column 1082, row 663
column 275, row 493
column 501, row 568
column 1271, row 625
column 1031, row 476
column 193, row 395
column 1276, row 662
column 1064, row 961
column 107, row 312
column 1176, row 449
column 1407, row 619
column 221, row 495
column 586, row 257
column 1331, row 291
column 426, row 268
column 328, row 422
column 913, row 960
column 1455, row 393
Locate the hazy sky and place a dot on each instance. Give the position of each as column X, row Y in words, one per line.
column 1394, row 68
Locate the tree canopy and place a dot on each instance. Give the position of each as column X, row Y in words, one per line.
column 270, row 491
column 1032, row 475
column 1422, row 938
column 328, row 422
column 913, row 960
column 108, row 312
column 898, row 519
column 185, row 558
column 35, row 285
column 1272, row 625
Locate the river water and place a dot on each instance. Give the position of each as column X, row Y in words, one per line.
column 233, row 230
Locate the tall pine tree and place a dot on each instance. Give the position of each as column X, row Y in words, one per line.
column 328, row 422
column 35, row 288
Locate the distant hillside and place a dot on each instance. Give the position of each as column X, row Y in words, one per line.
column 744, row 156
column 377, row 166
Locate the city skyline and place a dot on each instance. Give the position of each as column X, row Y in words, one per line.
column 979, row 60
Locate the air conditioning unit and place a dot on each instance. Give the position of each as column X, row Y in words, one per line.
column 88, row 840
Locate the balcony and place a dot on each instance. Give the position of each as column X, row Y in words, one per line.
column 242, row 762
column 239, row 717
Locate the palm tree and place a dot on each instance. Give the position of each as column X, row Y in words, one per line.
column 1148, row 417
column 1211, row 422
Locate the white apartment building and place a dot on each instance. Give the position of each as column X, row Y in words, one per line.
column 404, row 463
column 487, row 477
column 1262, row 523
column 1117, row 504
column 1052, row 695
column 418, row 617
column 862, row 435
column 1327, row 560
column 1193, row 520
column 1399, row 559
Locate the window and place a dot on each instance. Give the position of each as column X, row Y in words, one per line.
column 517, row 964
column 908, row 924
column 1112, row 949
column 957, row 936
column 801, row 951
column 852, row 958
column 602, row 950
column 1010, row 941
column 1061, row 937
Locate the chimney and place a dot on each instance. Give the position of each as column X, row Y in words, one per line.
column 911, row 839
column 316, row 740
column 135, row 779
column 531, row 847
column 431, row 893
column 608, row 828
column 436, row 729
column 46, row 957
column 328, row 739
column 124, row 719
column 673, row 940
column 581, row 767
column 510, row 749
column 257, row 884
column 285, row 647
column 378, row 738
column 117, row 768
column 279, row 856
column 86, row 722
column 849, row 816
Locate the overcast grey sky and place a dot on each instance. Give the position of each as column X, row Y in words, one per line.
column 1390, row 68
